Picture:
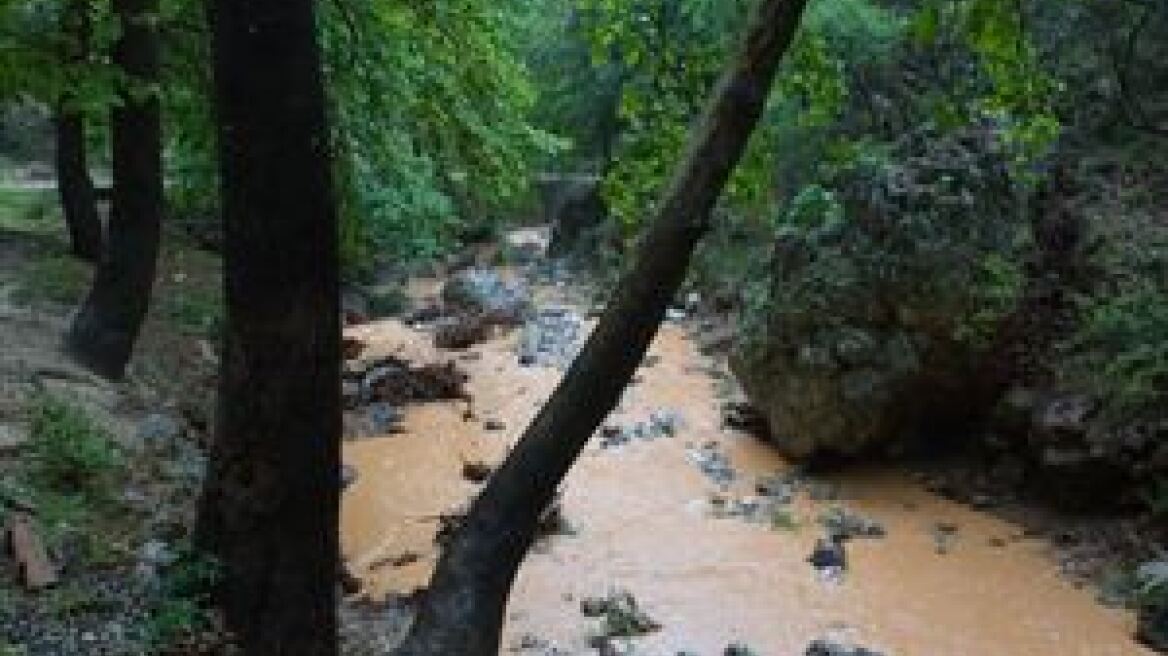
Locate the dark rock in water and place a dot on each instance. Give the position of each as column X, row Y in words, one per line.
column 623, row 618
column 738, row 649
column 396, row 381
column 828, row 553
column 828, row 648
column 461, row 332
column 574, row 208
column 744, row 417
column 476, row 472
column 486, row 293
column 494, row 425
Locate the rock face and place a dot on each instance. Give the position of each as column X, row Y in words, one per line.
column 573, row 206
column 487, row 294
column 879, row 311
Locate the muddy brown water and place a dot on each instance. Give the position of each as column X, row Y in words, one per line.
column 641, row 522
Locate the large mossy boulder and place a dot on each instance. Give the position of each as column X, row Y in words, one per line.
column 886, row 294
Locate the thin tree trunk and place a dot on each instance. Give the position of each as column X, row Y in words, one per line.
column 104, row 331
column 270, row 503
column 75, row 187
column 462, row 613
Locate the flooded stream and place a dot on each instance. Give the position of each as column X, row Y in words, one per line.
column 640, row 514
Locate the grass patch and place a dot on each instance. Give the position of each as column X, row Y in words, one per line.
column 193, row 311
column 69, row 474
column 55, row 279
column 28, row 210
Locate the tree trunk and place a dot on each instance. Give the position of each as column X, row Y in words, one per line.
column 75, row 187
column 462, row 613
column 104, row 331
column 270, row 503
column 78, row 201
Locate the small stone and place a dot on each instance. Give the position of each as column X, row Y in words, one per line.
column 476, row 472
column 738, row 649
column 494, row 425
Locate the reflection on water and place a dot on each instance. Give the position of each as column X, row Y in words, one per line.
column 640, row 521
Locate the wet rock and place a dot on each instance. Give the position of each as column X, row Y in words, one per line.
column 461, row 332
column 828, row 553
column 713, row 463
column 844, row 524
column 665, row 423
column 551, row 339
column 476, row 472
column 744, row 417
column 623, row 618
column 739, row 649
column 781, row 487
column 395, row 381
column 823, row 647
column 487, row 294
column 494, row 425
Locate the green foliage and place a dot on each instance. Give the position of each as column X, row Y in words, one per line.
column 184, row 597
column 431, row 122
column 68, row 452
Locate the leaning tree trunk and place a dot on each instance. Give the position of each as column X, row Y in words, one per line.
column 104, row 331
column 462, row 613
column 270, row 503
column 75, row 187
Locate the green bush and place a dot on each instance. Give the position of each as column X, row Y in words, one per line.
column 68, row 452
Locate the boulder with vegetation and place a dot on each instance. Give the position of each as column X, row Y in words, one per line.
column 885, row 295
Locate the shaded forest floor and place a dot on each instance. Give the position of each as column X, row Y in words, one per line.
column 701, row 523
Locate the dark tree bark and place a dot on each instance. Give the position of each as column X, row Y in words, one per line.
column 270, row 503
column 75, row 187
column 104, row 331
column 462, row 613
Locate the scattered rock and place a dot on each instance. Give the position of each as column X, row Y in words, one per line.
column 824, row 647
column 828, row 553
column 738, row 649
column 713, row 463
column 476, row 472
column 494, row 425
column 622, row 616
column 461, row 331
column 487, row 294
column 395, row 381
column 551, row 339
column 843, row 524
column 744, row 417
